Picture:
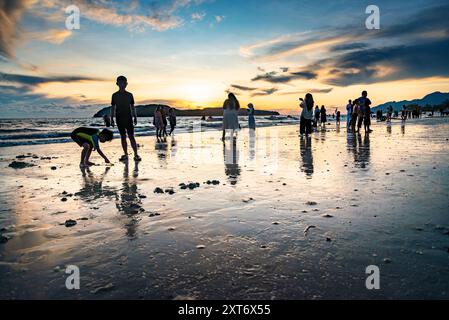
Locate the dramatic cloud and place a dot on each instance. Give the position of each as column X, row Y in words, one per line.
column 412, row 47
column 10, row 14
column 349, row 46
column 242, row 88
column 265, row 92
column 158, row 15
column 275, row 77
column 36, row 80
column 323, row 91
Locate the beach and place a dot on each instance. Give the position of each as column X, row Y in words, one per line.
column 274, row 216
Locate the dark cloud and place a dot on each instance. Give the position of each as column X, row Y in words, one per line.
column 349, row 46
column 36, row 80
column 274, row 77
column 413, row 46
column 390, row 63
column 265, row 92
column 325, row 90
column 242, row 88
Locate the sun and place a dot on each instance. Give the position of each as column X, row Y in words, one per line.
column 200, row 92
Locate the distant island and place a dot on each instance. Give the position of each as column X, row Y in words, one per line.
column 433, row 101
column 148, row 111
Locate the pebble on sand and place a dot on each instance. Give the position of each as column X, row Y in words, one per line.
column 311, row 203
column 20, row 165
column 70, row 223
column 53, row 168
column 158, row 190
column 154, row 214
column 327, row 215
column 387, row 260
column 64, row 199
column 201, row 246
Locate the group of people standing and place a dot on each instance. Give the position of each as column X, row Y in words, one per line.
column 358, row 114
column 160, row 121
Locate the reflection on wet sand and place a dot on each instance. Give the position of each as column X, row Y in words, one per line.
column 252, row 144
column 161, row 148
column 231, row 159
column 128, row 200
column 305, row 146
column 93, row 188
column 360, row 148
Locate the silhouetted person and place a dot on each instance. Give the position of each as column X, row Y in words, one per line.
column 125, row 113
column 305, row 125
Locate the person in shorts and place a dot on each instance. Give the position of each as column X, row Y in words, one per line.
column 124, row 112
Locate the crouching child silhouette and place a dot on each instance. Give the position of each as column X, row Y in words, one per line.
column 89, row 139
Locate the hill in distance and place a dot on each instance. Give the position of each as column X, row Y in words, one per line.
column 431, row 99
column 148, row 111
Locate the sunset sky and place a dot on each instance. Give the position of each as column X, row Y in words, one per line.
column 189, row 53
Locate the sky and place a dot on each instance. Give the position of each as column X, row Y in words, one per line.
column 191, row 53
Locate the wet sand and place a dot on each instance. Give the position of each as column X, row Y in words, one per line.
column 291, row 218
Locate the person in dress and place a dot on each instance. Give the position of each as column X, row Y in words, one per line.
column 158, row 122
column 231, row 107
column 251, row 119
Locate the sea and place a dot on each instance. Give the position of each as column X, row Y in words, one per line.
column 17, row 132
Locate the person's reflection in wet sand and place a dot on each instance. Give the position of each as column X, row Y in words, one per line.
column 389, row 128
column 173, row 148
column 129, row 201
column 93, row 188
column 403, row 128
column 231, row 159
column 337, row 127
column 161, row 148
column 252, row 144
column 359, row 148
column 305, row 147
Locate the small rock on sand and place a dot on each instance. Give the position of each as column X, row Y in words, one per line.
column 201, row 246
column 170, row 191
column 64, row 199
column 387, row 260
column 311, row 203
column 171, row 229
column 154, row 214
column 20, row 165
column 328, row 239
column 53, row 168
column 327, row 215
column 70, row 223
column 158, row 190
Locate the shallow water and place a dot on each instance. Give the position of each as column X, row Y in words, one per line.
column 376, row 197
